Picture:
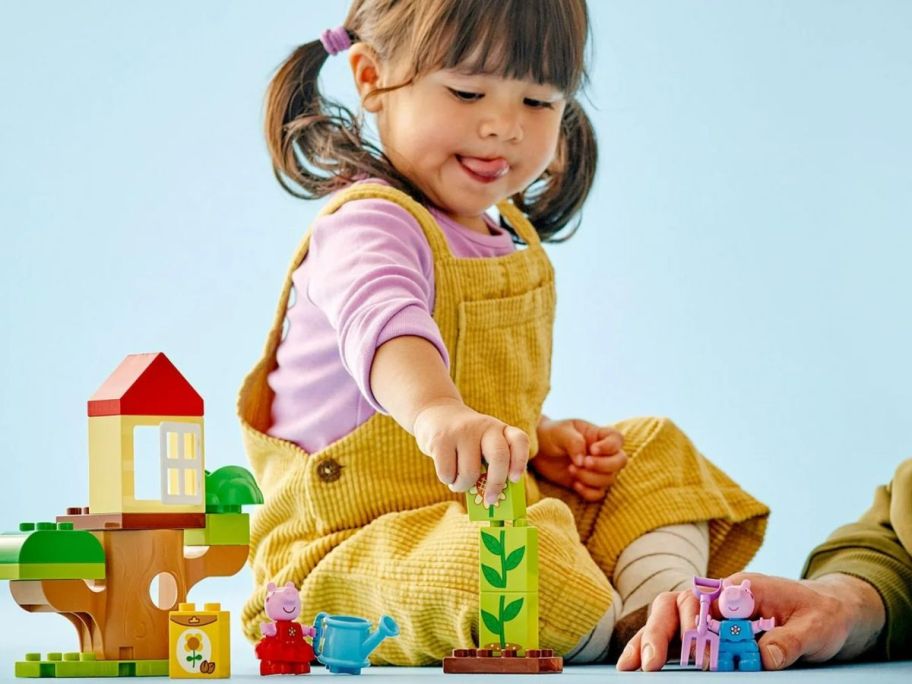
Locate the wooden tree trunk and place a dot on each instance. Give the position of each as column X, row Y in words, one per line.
column 117, row 618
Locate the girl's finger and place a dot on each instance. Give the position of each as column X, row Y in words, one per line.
column 609, row 441
column 591, row 478
column 519, row 451
column 587, row 493
column 570, row 440
column 605, row 464
column 496, row 451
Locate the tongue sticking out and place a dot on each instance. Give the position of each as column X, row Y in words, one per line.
column 490, row 168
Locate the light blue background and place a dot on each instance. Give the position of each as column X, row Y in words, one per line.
column 743, row 266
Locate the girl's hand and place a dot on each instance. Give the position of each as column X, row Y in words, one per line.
column 457, row 437
column 834, row 616
column 580, row 456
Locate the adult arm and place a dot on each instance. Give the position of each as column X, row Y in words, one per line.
column 876, row 549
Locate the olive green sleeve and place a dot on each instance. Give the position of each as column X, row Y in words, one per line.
column 877, row 550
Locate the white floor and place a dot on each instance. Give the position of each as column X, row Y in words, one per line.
column 23, row 632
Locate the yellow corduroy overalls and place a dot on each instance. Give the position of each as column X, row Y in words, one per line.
column 364, row 527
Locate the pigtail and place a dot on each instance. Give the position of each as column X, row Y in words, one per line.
column 315, row 143
column 553, row 200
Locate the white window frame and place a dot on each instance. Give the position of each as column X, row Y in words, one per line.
column 181, row 463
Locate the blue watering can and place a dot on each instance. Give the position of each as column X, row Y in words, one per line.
column 342, row 643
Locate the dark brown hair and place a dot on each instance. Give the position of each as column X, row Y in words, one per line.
column 317, row 145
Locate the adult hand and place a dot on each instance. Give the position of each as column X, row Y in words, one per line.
column 834, row 616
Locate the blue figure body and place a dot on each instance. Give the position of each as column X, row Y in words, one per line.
column 737, row 648
column 736, row 632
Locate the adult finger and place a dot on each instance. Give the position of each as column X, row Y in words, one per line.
column 518, row 442
column 813, row 634
column 661, row 628
column 630, row 658
column 496, row 451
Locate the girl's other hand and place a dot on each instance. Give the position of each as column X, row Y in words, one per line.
column 456, row 437
column 579, row 456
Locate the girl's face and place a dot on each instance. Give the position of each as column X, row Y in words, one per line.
column 470, row 140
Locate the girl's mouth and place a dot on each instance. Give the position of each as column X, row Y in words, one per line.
column 484, row 170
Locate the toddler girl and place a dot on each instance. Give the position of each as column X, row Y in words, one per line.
column 419, row 343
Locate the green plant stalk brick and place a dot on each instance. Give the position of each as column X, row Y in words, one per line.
column 508, row 559
column 513, row 506
column 222, row 529
column 508, row 618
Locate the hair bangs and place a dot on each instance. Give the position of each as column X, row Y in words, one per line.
column 540, row 40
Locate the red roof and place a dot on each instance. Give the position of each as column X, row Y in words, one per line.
column 146, row 385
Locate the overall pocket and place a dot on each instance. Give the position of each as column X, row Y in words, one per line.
column 503, row 356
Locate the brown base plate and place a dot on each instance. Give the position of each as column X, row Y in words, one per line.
column 490, row 661
column 83, row 520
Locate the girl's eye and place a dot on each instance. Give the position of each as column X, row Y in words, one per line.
column 538, row 104
column 465, row 96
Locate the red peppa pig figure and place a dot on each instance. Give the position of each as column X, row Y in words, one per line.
column 283, row 648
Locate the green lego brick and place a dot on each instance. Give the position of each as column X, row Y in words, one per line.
column 35, row 571
column 222, row 529
column 59, row 665
column 508, row 618
column 508, row 559
column 510, row 505
column 50, row 551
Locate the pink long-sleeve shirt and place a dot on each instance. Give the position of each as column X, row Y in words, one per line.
column 368, row 277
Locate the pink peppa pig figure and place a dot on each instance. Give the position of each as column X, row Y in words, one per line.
column 737, row 647
column 283, row 648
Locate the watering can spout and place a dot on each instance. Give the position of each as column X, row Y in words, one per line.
column 386, row 627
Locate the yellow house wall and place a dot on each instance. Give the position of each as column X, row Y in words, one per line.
column 111, row 465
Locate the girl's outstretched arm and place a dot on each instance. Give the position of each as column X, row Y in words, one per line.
column 410, row 380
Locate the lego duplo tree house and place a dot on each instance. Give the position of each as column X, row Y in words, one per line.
column 508, row 590
column 115, row 568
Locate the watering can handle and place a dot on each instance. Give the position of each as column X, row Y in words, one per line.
column 318, row 626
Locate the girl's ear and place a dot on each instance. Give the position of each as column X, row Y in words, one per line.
column 365, row 66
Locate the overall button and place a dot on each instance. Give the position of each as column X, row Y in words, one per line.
column 329, row 470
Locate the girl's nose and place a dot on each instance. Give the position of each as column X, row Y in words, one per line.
column 504, row 124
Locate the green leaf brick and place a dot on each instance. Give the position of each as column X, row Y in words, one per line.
column 515, row 558
column 491, row 622
column 512, row 610
column 493, row 577
column 491, row 543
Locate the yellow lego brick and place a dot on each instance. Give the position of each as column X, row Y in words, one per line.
column 199, row 644
column 112, row 465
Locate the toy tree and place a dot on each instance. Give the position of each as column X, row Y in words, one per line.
column 114, row 569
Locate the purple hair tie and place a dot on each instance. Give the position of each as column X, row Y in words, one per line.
column 335, row 40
